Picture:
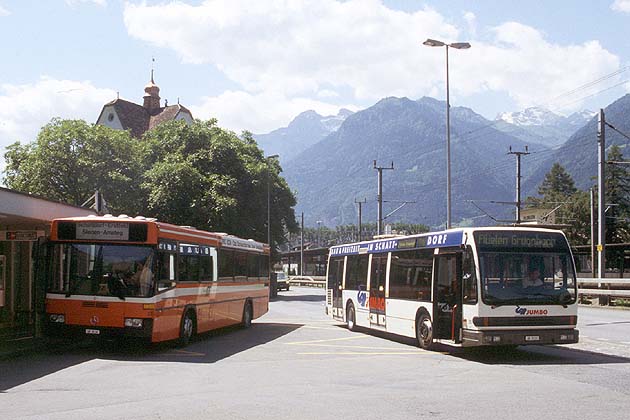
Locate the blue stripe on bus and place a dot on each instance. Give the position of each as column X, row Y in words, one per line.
column 431, row 240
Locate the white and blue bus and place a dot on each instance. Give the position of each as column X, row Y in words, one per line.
column 464, row 287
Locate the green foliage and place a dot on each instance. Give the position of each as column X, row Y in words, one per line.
column 617, row 187
column 207, row 177
column 71, row 159
column 570, row 206
column 199, row 175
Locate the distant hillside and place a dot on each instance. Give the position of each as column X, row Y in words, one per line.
column 332, row 173
column 579, row 154
column 539, row 125
column 305, row 130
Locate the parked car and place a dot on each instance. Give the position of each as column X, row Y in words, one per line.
column 282, row 281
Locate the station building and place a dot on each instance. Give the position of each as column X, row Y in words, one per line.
column 24, row 222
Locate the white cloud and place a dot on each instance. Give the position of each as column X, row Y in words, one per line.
column 298, row 46
column 4, row 11
column 621, row 6
column 471, row 21
column 300, row 51
column 24, row 109
column 238, row 110
column 521, row 62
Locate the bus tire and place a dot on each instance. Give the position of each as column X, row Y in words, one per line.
column 248, row 315
column 424, row 331
column 351, row 318
column 187, row 327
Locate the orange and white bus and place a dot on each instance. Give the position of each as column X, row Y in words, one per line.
column 137, row 277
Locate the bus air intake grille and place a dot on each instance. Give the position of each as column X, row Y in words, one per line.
column 539, row 321
column 95, row 305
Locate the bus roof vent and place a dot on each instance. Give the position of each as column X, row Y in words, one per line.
column 140, row 218
column 92, row 215
column 187, row 227
column 108, row 215
column 123, row 216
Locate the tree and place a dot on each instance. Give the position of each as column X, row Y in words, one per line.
column 557, row 183
column 199, row 175
column 71, row 159
column 205, row 176
column 570, row 206
column 617, row 185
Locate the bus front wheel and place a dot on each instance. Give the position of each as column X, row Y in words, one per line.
column 248, row 315
column 187, row 328
column 424, row 331
column 351, row 319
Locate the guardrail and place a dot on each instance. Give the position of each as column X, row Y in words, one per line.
column 605, row 287
column 306, row 281
column 595, row 287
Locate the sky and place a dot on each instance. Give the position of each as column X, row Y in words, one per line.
column 256, row 64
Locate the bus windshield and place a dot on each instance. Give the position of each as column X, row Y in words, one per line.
column 519, row 268
column 103, row 270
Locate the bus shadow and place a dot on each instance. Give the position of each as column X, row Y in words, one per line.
column 205, row 348
column 209, row 347
column 521, row 355
column 536, row 355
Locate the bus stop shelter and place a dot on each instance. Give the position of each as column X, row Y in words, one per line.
column 24, row 219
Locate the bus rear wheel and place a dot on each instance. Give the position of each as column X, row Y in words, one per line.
column 351, row 319
column 187, row 328
column 424, row 332
column 248, row 315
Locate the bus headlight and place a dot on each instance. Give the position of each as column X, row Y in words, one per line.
column 58, row 318
column 133, row 322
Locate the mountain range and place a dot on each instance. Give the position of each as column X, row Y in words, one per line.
column 305, row 130
column 331, row 167
column 539, row 125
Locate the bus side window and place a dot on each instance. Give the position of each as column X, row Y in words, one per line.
column 226, row 265
column 469, row 278
column 205, row 268
column 166, row 271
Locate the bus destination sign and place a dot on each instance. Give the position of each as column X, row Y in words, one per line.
column 103, row 231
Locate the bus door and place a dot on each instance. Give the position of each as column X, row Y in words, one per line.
column 447, row 296
column 377, row 290
column 335, row 286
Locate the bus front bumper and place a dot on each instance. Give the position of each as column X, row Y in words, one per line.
column 472, row 338
column 54, row 329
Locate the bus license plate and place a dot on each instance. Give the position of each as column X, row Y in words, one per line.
column 89, row 331
column 532, row 338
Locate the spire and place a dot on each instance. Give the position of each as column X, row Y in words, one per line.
column 152, row 93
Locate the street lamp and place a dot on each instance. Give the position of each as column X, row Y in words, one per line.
column 459, row 46
column 269, row 198
column 273, row 290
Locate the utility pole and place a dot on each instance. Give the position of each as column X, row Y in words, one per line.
column 360, row 203
column 601, row 190
column 302, row 247
column 593, row 251
column 518, row 181
column 379, row 197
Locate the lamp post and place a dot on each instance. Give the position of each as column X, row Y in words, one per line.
column 459, row 46
column 273, row 291
column 269, row 198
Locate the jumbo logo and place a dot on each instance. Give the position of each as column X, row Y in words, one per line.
column 362, row 298
column 94, row 320
column 525, row 311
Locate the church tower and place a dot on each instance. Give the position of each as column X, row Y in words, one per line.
column 151, row 96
